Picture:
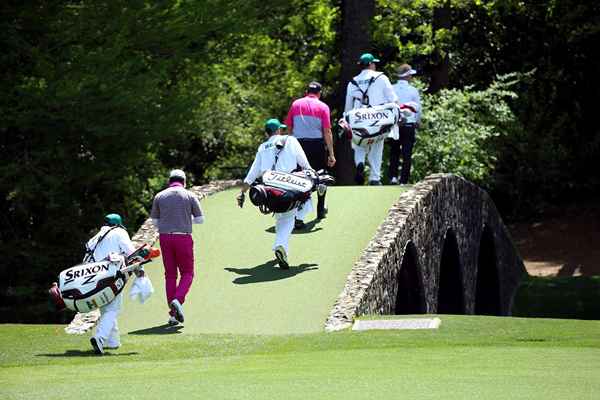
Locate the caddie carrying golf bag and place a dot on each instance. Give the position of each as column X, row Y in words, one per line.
column 282, row 191
column 368, row 125
column 88, row 286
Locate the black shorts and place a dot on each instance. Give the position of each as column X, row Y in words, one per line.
column 316, row 152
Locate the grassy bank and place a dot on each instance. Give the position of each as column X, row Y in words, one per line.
column 468, row 357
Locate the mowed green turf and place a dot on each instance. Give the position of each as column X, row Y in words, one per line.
column 238, row 288
column 467, row 358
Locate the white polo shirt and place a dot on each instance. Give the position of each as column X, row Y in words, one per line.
column 289, row 157
column 380, row 91
column 407, row 92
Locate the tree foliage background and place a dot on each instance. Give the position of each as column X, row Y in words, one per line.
column 99, row 99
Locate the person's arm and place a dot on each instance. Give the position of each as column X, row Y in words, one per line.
column 329, row 143
column 418, row 101
column 349, row 100
column 155, row 213
column 197, row 213
column 252, row 175
column 327, row 137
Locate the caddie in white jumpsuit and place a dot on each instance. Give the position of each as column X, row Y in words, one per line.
column 378, row 89
column 280, row 153
column 112, row 238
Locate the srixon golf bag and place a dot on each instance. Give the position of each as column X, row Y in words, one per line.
column 88, row 286
column 368, row 125
column 282, row 191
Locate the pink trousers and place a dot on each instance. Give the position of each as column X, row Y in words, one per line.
column 178, row 258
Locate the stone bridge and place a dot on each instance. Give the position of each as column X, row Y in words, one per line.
column 442, row 249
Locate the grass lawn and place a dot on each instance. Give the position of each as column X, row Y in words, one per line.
column 467, row 358
column 239, row 289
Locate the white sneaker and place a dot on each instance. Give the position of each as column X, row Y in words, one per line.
column 394, row 181
column 172, row 321
column 281, row 256
column 112, row 345
column 97, row 345
column 177, row 308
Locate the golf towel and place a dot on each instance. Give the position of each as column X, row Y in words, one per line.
column 141, row 289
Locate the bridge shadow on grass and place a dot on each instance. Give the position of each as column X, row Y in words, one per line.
column 87, row 353
column 268, row 272
column 309, row 228
column 164, row 329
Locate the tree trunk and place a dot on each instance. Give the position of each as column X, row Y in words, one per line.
column 355, row 40
column 441, row 68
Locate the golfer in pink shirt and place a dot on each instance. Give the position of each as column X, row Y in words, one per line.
column 173, row 212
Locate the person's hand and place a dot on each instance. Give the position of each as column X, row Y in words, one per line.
column 240, row 199
column 331, row 160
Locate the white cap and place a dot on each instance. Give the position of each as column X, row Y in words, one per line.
column 405, row 70
column 407, row 73
column 177, row 173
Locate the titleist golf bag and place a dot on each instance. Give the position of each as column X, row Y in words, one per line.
column 369, row 125
column 88, row 286
column 282, row 191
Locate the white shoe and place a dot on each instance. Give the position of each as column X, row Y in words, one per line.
column 112, row 345
column 172, row 321
column 177, row 308
column 97, row 345
column 394, row 181
column 281, row 256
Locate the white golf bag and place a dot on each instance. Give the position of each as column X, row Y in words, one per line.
column 88, row 286
column 282, row 191
column 368, row 125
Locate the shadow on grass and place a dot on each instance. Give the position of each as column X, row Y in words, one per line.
column 309, row 228
column 164, row 329
column 87, row 353
column 558, row 297
column 268, row 272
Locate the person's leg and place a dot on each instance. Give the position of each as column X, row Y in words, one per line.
column 375, row 155
column 185, row 262
column 284, row 224
column 169, row 257
column 394, row 159
column 407, row 137
column 108, row 321
column 359, row 160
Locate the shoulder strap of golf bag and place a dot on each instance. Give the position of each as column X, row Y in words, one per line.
column 89, row 253
column 278, row 151
column 365, row 97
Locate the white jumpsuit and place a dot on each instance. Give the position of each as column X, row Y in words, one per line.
column 288, row 159
column 116, row 241
column 380, row 92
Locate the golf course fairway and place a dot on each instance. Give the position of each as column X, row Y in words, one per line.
column 238, row 287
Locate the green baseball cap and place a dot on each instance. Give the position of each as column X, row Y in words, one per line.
column 367, row 58
column 113, row 219
column 273, row 124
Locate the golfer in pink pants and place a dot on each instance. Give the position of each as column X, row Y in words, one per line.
column 173, row 212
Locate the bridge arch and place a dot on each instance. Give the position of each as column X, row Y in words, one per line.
column 487, row 293
column 409, row 296
column 450, row 299
column 445, row 232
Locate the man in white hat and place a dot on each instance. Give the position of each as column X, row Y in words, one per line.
column 174, row 210
column 369, row 88
column 403, row 139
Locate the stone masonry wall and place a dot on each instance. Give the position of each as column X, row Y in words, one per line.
column 423, row 215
